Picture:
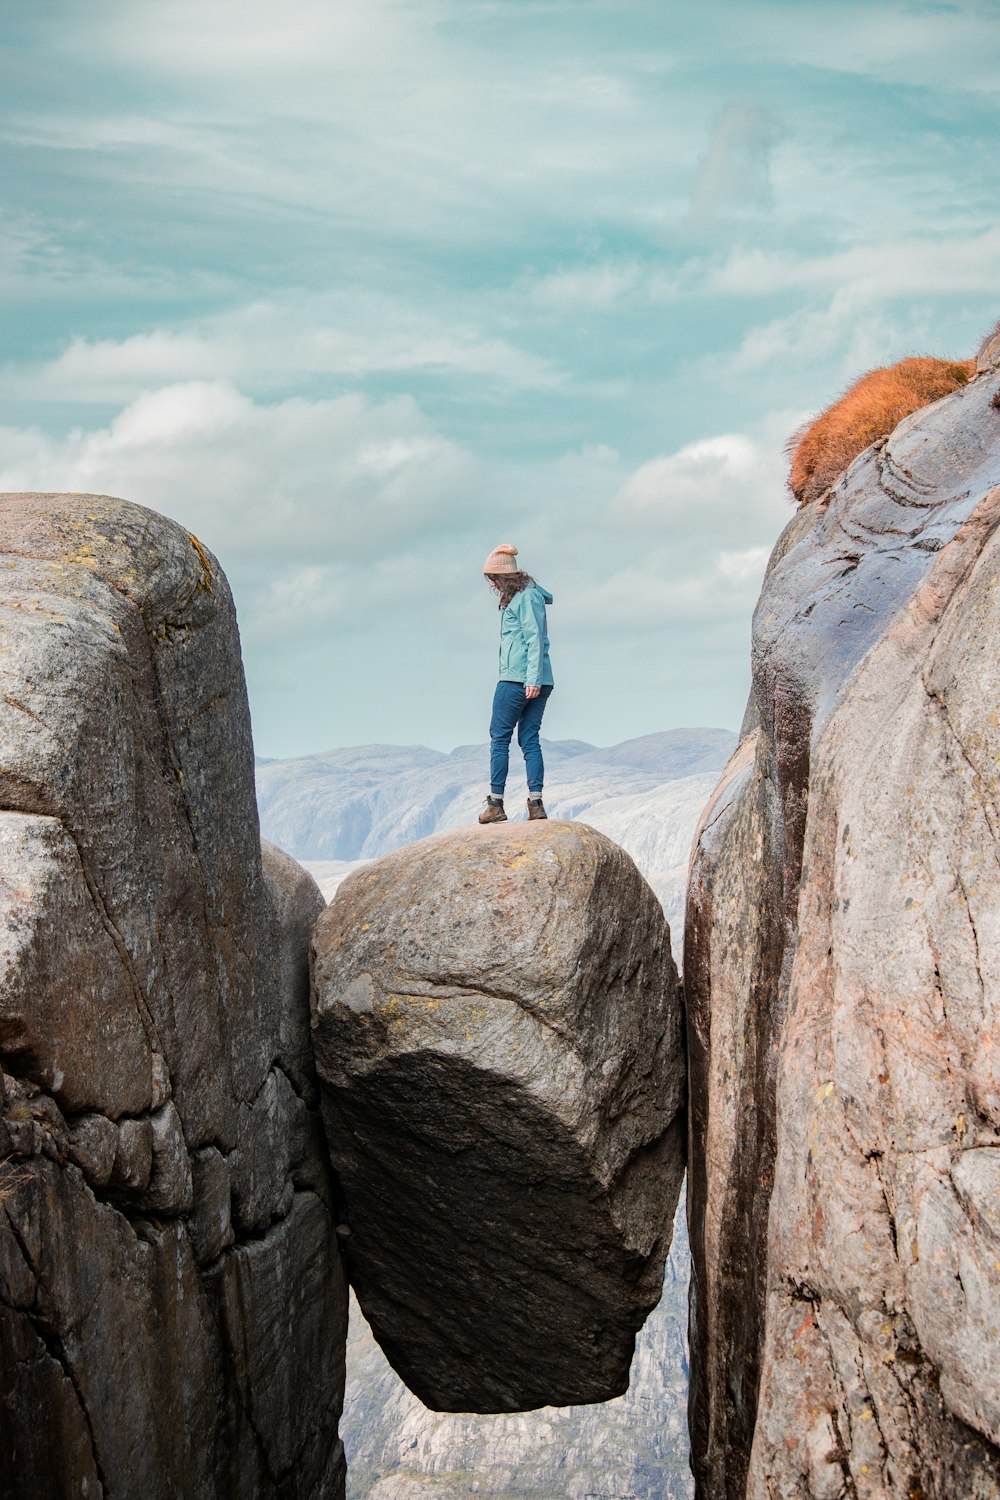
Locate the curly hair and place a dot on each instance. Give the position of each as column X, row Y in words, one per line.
column 506, row 585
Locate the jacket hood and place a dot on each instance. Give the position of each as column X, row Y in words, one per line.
column 544, row 593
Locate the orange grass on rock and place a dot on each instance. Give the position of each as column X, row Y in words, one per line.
column 869, row 410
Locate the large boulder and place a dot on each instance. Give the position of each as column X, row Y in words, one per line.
column 635, row 1446
column 498, row 1035
column 172, row 1299
column 842, row 982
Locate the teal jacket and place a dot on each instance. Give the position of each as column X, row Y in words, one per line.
column 524, row 638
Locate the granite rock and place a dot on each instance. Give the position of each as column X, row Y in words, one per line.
column 498, row 1036
column 842, row 989
column 173, row 1296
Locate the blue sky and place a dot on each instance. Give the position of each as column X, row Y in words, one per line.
column 357, row 289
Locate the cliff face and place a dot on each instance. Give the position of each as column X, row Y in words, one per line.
column 172, row 1302
column 843, row 960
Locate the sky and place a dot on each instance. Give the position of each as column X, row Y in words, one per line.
column 358, row 289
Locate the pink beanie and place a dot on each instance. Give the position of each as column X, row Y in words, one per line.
column 501, row 560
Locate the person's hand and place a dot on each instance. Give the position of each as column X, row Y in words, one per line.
column 532, row 692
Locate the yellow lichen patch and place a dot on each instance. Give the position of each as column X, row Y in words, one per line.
column 206, row 567
column 430, row 1003
column 82, row 557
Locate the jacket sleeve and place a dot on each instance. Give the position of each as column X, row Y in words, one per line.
column 532, row 612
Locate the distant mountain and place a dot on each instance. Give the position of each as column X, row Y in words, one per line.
column 340, row 807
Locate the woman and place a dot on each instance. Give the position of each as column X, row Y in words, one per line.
column 525, row 680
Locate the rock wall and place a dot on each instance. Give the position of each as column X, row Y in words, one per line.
column 172, row 1300
column 843, row 962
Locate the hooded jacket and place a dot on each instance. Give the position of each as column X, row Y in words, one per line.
column 524, row 639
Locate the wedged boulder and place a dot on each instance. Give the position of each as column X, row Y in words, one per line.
column 498, row 1036
column 842, row 985
column 172, row 1297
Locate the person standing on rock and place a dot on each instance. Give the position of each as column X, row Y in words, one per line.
column 525, row 680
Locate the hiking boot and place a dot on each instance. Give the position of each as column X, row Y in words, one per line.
column 493, row 811
column 535, row 809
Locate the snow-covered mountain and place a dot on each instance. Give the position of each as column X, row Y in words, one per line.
column 341, row 807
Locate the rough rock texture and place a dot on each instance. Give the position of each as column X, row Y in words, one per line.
column 498, row 1033
column 632, row 1448
column 843, row 974
column 172, row 1301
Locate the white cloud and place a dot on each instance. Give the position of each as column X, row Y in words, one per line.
column 488, row 207
column 344, row 478
column 884, row 269
column 323, row 502
column 935, row 45
column 240, row 37
column 734, row 174
column 850, row 329
column 929, row 44
column 857, row 278
column 611, row 283
column 297, row 603
column 728, row 476
column 661, row 592
column 353, row 533
column 741, row 566
column 876, row 308
column 684, row 538
column 25, row 244
column 269, row 344
column 595, row 286
column 404, row 118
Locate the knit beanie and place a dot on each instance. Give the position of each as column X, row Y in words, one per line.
column 501, row 560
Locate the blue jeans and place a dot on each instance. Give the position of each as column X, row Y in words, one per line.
column 511, row 707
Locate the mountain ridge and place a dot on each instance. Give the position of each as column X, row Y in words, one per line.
column 336, row 809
